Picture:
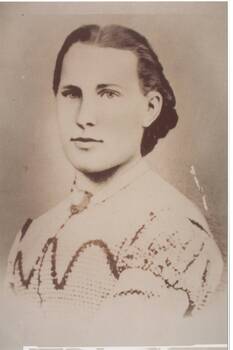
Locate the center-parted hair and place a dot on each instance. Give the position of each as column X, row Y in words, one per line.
column 150, row 72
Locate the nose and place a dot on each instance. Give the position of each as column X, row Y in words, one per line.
column 86, row 115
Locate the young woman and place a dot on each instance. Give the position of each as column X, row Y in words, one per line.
column 124, row 236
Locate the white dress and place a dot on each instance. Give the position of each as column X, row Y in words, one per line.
column 139, row 236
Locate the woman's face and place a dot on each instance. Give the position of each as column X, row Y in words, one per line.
column 100, row 107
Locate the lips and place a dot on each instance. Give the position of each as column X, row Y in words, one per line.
column 85, row 139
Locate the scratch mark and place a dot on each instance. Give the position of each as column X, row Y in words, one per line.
column 199, row 187
column 205, row 203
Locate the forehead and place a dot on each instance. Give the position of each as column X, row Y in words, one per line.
column 88, row 63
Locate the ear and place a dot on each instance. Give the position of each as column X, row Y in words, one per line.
column 154, row 106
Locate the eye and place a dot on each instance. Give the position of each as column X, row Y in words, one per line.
column 69, row 94
column 72, row 93
column 109, row 93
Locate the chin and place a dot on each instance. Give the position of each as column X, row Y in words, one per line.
column 96, row 168
column 94, row 163
column 98, row 173
column 93, row 166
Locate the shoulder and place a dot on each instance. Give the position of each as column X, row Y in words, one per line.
column 175, row 212
column 166, row 199
column 36, row 230
column 175, row 217
column 175, row 244
column 168, row 216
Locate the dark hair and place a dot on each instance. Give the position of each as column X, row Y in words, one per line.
column 150, row 72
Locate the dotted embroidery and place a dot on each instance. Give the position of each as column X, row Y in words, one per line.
column 135, row 291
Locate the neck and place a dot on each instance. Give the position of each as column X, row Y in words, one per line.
column 96, row 181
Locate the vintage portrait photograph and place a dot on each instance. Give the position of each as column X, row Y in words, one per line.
column 113, row 174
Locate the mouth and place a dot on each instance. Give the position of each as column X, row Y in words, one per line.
column 85, row 139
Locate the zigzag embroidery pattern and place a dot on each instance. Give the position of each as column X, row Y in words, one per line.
column 18, row 263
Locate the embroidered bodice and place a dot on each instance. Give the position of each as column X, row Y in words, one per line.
column 77, row 254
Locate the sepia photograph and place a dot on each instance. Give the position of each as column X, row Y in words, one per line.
column 113, row 174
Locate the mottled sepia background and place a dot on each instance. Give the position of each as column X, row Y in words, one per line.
column 191, row 42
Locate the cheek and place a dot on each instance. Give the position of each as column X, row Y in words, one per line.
column 123, row 119
column 65, row 117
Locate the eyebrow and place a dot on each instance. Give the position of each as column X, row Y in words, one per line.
column 71, row 87
column 99, row 87
column 103, row 86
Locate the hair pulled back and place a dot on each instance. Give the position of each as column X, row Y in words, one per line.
column 150, row 72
